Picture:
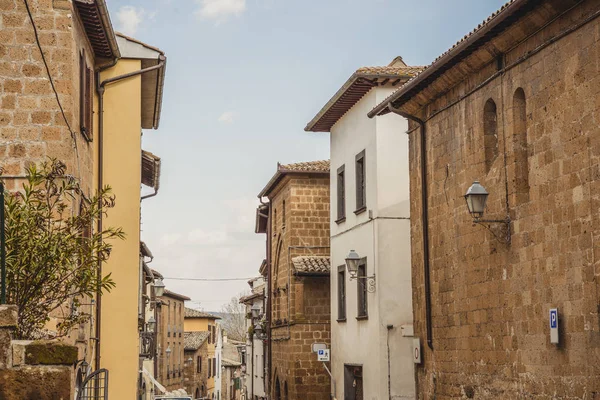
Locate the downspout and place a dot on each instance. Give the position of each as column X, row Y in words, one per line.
column 252, row 370
column 269, row 294
column 100, row 88
column 425, row 219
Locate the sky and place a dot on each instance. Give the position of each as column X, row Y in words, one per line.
column 243, row 79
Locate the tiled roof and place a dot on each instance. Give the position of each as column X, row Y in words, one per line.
column 193, row 340
column 191, row 313
column 388, row 70
column 230, row 363
column 359, row 84
column 312, row 264
column 98, row 28
column 488, row 25
column 174, row 295
column 309, row 166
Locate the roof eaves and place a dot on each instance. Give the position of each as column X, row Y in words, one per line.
column 174, row 295
column 281, row 172
column 96, row 21
column 467, row 43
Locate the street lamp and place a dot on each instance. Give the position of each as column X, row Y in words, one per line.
column 352, row 264
column 476, row 198
column 151, row 324
column 159, row 287
column 258, row 331
column 168, row 351
column 255, row 310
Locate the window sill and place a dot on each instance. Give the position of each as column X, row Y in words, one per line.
column 360, row 210
column 362, row 318
column 339, row 221
column 341, row 320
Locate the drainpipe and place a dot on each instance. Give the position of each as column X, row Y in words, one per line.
column 100, row 88
column 425, row 219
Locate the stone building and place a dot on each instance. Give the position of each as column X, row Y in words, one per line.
column 514, row 104
column 170, row 340
column 297, row 228
column 370, row 214
column 72, row 89
column 195, row 371
column 200, row 321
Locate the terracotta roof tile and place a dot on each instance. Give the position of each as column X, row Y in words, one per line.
column 193, row 340
column 312, row 264
column 191, row 313
column 309, row 166
column 388, row 70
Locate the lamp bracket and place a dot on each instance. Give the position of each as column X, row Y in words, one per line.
column 370, row 280
column 505, row 221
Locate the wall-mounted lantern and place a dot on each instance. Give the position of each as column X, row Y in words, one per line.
column 151, row 324
column 255, row 310
column 476, row 198
column 352, row 264
column 159, row 287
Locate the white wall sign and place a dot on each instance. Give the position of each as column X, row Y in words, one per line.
column 417, row 351
column 318, row 346
column 323, row 355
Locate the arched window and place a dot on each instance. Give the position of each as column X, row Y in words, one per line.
column 520, row 147
column 285, row 391
column 197, row 395
column 277, row 389
column 490, row 133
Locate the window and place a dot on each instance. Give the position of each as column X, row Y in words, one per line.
column 341, row 194
column 341, row 293
column 363, row 311
column 209, row 334
column 283, row 216
column 361, row 187
column 490, row 134
column 209, row 368
column 86, row 96
column 199, row 364
column 520, row 147
column 214, row 360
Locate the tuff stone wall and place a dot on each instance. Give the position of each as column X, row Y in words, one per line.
column 490, row 300
column 306, row 319
column 193, row 380
column 32, row 127
column 33, row 370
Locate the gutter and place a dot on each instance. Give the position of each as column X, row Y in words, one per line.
column 405, row 92
column 105, row 17
column 424, row 218
column 100, row 88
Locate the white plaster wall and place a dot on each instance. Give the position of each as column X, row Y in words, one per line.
column 385, row 241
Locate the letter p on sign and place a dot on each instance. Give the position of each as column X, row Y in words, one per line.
column 554, row 325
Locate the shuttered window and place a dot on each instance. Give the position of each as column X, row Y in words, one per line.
column 341, row 194
column 361, row 186
column 86, row 98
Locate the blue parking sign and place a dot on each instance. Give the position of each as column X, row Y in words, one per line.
column 553, row 318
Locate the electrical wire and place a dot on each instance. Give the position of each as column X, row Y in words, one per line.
column 207, row 279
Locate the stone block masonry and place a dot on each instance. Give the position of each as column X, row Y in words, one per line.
column 32, row 127
column 491, row 300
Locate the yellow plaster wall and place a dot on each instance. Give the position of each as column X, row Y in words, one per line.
column 119, row 338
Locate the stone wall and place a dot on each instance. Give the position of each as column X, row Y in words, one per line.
column 305, row 320
column 194, row 380
column 33, row 370
column 32, row 127
column 490, row 300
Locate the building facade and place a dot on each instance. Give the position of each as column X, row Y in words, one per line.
column 196, row 363
column 170, row 349
column 512, row 105
column 371, row 319
column 64, row 96
column 200, row 321
column 298, row 278
column 253, row 364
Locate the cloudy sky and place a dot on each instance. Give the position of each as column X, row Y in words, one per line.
column 243, row 79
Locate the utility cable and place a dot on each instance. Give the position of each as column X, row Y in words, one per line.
column 208, row 279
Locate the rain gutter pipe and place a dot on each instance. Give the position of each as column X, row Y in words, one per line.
column 424, row 218
column 269, row 294
column 100, row 88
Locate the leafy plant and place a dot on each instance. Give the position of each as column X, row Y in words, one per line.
column 52, row 252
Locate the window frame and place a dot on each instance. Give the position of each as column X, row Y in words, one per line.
column 341, row 295
column 86, row 98
column 361, row 185
column 362, row 304
column 341, row 194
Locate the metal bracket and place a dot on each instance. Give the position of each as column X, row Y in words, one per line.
column 370, row 281
column 505, row 221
